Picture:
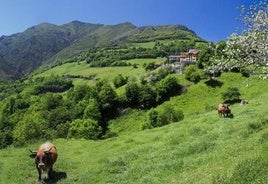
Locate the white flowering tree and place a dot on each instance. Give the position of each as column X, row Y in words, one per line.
column 248, row 50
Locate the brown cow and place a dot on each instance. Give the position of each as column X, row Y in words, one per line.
column 45, row 157
column 224, row 110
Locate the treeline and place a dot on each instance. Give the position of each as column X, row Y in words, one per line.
column 48, row 108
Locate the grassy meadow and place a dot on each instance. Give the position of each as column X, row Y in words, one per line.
column 108, row 73
column 197, row 99
column 203, row 148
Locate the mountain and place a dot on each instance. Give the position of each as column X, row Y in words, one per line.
column 21, row 53
column 47, row 44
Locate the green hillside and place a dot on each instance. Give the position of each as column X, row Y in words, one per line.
column 96, row 73
column 121, row 108
column 46, row 45
column 99, row 38
column 198, row 99
column 58, row 96
column 203, row 148
column 24, row 52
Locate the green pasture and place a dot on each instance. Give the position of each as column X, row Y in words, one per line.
column 196, row 99
column 107, row 73
column 203, row 148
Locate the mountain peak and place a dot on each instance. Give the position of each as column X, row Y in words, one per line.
column 77, row 22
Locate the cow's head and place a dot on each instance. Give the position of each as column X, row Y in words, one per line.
column 226, row 106
column 42, row 158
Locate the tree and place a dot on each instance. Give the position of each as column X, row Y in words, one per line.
column 32, row 127
column 6, row 127
column 205, row 55
column 108, row 103
column 217, row 54
column 107, row 96
column 147, row 98
column 51, row 101
column 249, row 50
column 81, row 92
column 132, row 94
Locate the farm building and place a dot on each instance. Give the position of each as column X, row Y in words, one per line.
column 184, row 59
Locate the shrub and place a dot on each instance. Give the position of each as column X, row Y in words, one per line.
column 168, row 115
column 92, row 110
column 245, row 72
column 231, row 95
column 53, row 84
column 163, row 116
column 192, row 73
column 153, row 118
column 84, row 128
column 149, row 66
column 119, row 81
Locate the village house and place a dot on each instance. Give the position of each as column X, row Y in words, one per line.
column 183, row 60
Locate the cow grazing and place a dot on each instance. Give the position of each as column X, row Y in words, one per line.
column 45, row 157
column 224, row 110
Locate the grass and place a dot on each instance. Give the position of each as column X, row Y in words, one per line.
column 131, row 121
column 203, row 148
column 198, row 99
column 108, row 73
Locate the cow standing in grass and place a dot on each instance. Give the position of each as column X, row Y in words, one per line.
column 45, row 157
column 224, row 110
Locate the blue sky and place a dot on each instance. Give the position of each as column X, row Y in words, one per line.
column 213, row 20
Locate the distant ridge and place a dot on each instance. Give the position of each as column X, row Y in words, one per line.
column 46, row 43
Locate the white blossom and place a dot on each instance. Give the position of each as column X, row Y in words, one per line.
column 249, row 50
